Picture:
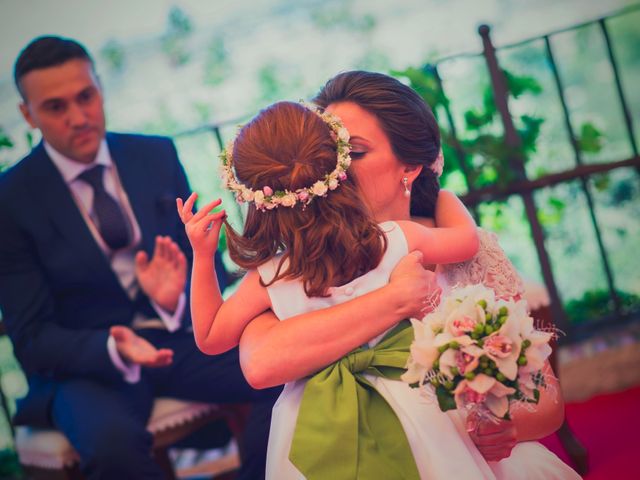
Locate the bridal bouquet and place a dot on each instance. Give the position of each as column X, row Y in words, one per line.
column 478, row 352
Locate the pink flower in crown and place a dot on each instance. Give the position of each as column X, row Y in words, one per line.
column 267, row 191
column 333, row 183
column 303, row 196
column 342, row 176
column 319, row 188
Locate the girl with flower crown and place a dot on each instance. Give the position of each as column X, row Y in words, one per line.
column 309, row 242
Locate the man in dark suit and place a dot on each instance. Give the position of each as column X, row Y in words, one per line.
column 92, row 276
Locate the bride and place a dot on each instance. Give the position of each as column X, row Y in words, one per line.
column 395, row 152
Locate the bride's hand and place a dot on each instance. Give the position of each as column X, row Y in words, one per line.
column 494, row 440
column 416, row 289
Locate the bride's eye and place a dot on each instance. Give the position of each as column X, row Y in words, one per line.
column 355, row 155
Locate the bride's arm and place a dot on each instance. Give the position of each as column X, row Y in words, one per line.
column 548, row 415
column 274, row 352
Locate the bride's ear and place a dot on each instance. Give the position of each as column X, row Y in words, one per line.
column 412, row 172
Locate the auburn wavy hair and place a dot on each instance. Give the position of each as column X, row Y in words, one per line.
column 331, row 241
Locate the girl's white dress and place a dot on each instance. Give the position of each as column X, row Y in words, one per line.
column 440, row 445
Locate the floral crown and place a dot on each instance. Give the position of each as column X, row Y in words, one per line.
column 268, row 199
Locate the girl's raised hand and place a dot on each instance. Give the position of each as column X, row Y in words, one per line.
column 203, row 227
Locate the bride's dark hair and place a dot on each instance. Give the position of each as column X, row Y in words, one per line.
column 405, row 118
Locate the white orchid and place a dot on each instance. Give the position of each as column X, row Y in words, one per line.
column 465, row 358
column 485, row 390
column 477, row 349
column 424, row 351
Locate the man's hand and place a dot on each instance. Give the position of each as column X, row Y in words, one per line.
column 417, row 290
column 164, row 277
column 494, row 440
column 135, row 349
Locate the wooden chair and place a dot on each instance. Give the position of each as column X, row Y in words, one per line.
column 539, row 303
column 47, row 454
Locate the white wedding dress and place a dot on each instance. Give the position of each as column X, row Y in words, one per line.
column 440, row 445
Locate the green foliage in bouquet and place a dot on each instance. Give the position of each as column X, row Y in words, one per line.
column 444, row 387
column 477, row 351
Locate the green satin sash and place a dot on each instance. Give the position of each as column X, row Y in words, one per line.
column 345, row 429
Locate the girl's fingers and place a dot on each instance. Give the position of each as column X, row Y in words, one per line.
column 191, row 201
column 185, row 208
column 204, row 211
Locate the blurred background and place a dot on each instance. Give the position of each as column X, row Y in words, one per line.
column 554, row 171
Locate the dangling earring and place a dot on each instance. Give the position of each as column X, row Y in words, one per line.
column 405, row 182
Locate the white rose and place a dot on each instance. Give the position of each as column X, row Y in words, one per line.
column 343, row 134
column 333, row 183
column 289, row 200
column 258, row 198
column 247, row 195
column 319, row 188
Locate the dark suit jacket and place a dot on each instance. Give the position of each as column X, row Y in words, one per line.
column 58, row 293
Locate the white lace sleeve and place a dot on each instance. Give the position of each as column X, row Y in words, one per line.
column 489, row 267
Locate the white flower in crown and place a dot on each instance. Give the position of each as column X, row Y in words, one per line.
column 258, row 198
column 247, row 195
column 288, row 200
column 319, row 188
column 343, row 134
column 266, row 199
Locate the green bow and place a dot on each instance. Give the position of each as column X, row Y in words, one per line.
column 345, row 429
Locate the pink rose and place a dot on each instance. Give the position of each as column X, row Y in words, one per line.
column 267, row 191
column 303, row 196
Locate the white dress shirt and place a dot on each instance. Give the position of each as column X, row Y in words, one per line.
column 122, row 261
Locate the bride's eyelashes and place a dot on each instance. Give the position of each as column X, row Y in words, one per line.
column 357, row 155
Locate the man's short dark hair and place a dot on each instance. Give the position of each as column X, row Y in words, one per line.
column 44, row 52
